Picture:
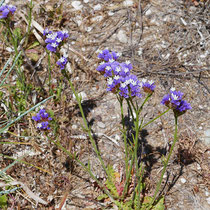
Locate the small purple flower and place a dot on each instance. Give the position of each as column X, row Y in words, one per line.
column 42, row 118
column 130, row 87
column 54, row 39
column 6, row 10
column 148, row 86
column 174, row 101
column 106, row 55
column 62, row 62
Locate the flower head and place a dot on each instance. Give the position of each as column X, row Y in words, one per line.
column 6, row 11
column 62, row 62
column 54, row 39
column 148, row 86
column 174, row 101
column 130, row 86
column 42, row 118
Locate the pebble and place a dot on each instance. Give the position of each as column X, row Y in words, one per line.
column 206, row 193
column 101, row 125
column 74, row 127
column 122, row 36
column 207, row 136
column 183, row 180
column 198, row 167
column 128, row 3
column 97, row 7
column 77, row 5
column 86, row 1
column 208, row 200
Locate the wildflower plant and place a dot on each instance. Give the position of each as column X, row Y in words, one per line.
column 127, row 87
column 42, row 118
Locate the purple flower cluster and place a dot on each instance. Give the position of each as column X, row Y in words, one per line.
column 54, row 39
column 62, row 62
column 42, row 118
column 148, row 86
column 174, row 101
column 6, row 10
column 119, row 78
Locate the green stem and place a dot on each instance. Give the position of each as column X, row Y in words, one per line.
column 165, row 165
column 128, row 177
column 86, row 124
column 155, row 118
column 124, row 135
column 49, row 70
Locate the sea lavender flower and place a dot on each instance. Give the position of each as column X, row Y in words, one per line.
column 174, row 101
column 42, row 118
column 6, row 11
column 148, row 86
column 54, row 39
column 130, row 86
column 62, row 62
column 106, row 55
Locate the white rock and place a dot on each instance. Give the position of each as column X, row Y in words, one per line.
column 97, row 7
column 183, row 180
column 110, row 13
column 140, row 51
column 74, row 127
column 208, row 200
column 86, row 1
column 206, row 193
column 77, row 5
column 207, row 136
column 148, row 12
column 117, row 137
column 68, row 67
column 101, row 125
column 122, row 36
column 198, row 167
column 97, row 18
column 128, row 3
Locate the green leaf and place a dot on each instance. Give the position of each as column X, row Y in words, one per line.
column 3, row 202
column 102, row 197
column 160, row 204
column 35, row 44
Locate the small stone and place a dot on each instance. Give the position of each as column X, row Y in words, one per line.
column 140, row 51
column 122, row 36
column 198, row 167
column 86, row 1
column 148, row 12
column 183, row 180
column 77, row 5
column 101, row 125
column 207, row 136
column 128, row 3
column 74, row 127
column 97, row 7
column 208, row 200
column 206, row 193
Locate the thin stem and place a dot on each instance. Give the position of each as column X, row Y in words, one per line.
column 86, row 124
column 49, row 70
column 130, row 108
column 124, row 136
column 155, row 118
column 165, row 164
column 128, row 177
